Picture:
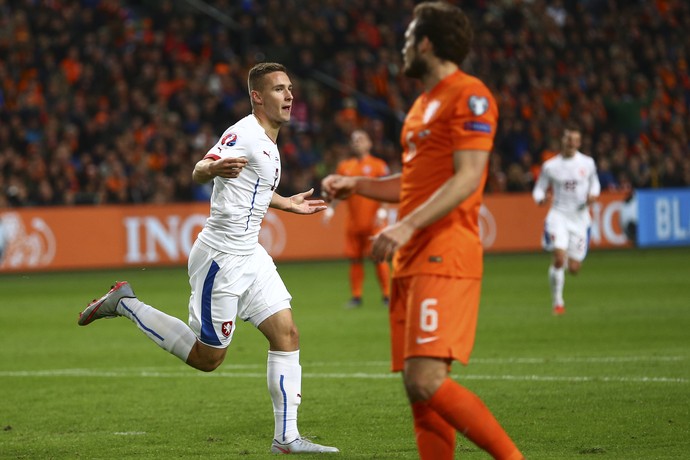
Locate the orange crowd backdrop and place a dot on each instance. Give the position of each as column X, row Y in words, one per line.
column 71, row 238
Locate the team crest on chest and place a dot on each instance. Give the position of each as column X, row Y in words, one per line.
column 478, row 105
column 431, row 110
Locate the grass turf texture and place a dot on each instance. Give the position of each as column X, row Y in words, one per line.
column 610, row 379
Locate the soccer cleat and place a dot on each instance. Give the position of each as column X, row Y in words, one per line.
column 106, row 306
column 559, row 310
column 301, row 446
column 386, row 301
column 354, row 302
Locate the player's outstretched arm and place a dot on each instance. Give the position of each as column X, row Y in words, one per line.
column 541, row 187
column 336, row 187
column 207, row 169
column 469, row 168
column 299, row 204
column 385, row 189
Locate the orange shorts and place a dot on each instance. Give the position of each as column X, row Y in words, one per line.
column 433, row 316
column 358, row 245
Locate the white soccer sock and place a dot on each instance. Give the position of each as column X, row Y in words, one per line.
column 556, row 282
column 284, row 376
column 169, row 333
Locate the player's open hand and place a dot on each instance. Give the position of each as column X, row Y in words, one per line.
column 229, row 168
column 335, row 186
column 299, row 204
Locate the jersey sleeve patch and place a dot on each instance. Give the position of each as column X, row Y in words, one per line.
column 229, row 139
column 478, row 104
column 478, row 126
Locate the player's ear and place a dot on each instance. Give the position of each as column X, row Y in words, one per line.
column 256, row 97
column 424, row 45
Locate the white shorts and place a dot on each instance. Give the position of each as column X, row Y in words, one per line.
column 570, row 234
column 225, row 286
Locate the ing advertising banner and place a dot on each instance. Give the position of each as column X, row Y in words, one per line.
column 77, row 238
column 663, row 217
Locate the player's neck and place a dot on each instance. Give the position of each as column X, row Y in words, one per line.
column 437, row 72
column 271, row 128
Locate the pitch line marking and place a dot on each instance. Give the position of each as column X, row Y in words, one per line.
column 327, row 375
column 525, row 360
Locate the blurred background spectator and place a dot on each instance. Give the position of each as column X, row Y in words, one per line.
column 107, row 101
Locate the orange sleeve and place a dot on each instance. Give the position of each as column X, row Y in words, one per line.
column 476, row 118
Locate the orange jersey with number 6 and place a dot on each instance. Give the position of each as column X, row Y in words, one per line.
column 459, row 113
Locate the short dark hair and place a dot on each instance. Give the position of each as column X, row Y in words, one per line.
column 259, row 71
column 447, row 28
column 572, row 126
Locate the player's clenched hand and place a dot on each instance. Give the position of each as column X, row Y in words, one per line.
column 335, row 186
column 547, row 198
column 388, row 240
column 229, row 168
column 299, row 204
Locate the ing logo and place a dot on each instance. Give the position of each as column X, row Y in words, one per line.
column 272, row 235
column 21, row 245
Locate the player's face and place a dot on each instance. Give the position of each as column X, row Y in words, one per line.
column 413, row 65
column 276, row 97
column 571, row 142
column 361, row 144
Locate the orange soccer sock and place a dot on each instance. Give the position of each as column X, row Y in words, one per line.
column 356, row 278
column 467, row 413
column 435, row 437
column 383, row 273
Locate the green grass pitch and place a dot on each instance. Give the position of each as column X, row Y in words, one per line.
column 609, row 380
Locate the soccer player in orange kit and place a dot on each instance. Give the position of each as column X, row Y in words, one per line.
column 437, row 266
column 365, row 217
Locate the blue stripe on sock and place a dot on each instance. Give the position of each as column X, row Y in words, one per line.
column 141, row 325
column 208, row 335
column 282, row 390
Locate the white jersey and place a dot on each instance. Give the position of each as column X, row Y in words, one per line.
column 572, row 180
column 238, row 205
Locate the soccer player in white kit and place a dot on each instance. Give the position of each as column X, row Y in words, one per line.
column 230, row 273
column 570, row 182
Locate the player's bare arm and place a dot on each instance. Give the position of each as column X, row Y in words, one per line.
column 469, row 168
column 542, row 191
column 590, row 199
column 207, row 169
column 546, row 199
column 299, row 204
column 386, row 189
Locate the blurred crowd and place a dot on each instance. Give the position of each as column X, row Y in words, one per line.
column 107, row 101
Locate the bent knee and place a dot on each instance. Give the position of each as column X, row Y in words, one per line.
column 205, row 358
column 287, row 339
column 291, row 336
column 421, row 388
column 209, row 365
